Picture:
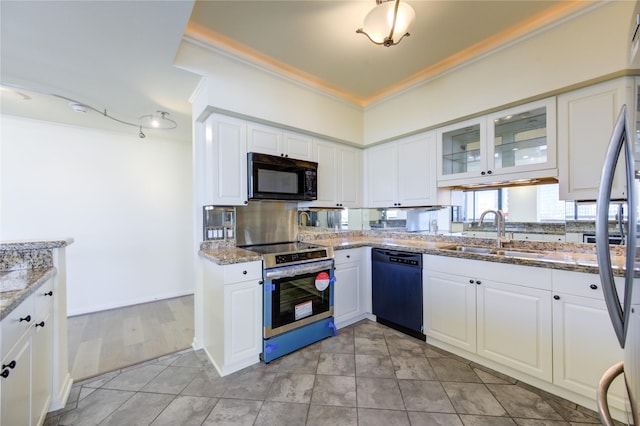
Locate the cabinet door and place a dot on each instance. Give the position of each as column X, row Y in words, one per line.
column 243, row 321
column 226, row 161
column 349, row 185
column 416, row 171
column 450, row 309
column 328, row 169
column 298, row 146
column 264, row 139
column 585, row 121
column 382, row 175
column 346, row 299
column 584, row 346
column 41, row 368
column 461, row 150
column 523, row 139
column 514, row 327
column 15, row 389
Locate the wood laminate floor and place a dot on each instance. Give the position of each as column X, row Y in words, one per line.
column 105, row 341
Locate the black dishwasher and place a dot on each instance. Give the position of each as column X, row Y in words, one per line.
column 396, row 286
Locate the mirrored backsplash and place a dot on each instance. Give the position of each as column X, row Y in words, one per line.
column 532, row 212
column 441, row 222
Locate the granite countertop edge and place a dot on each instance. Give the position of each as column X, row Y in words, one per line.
column 35, row 244
column 568, row 261
column 34, row 279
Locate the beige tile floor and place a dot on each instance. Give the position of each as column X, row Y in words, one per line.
column 367, row 375
column 108, row 340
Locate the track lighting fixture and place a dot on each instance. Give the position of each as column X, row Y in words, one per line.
column 158, row 120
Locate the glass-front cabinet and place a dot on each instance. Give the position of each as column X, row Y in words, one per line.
column 518, row 143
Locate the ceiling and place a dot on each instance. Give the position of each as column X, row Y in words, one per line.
column 117, row 56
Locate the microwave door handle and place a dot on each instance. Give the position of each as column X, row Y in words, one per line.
column 602, row 226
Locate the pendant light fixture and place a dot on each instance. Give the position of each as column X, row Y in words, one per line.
column 388, row 23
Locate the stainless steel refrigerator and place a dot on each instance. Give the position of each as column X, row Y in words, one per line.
column 624, row 310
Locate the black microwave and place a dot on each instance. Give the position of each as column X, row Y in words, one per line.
column 281, row 178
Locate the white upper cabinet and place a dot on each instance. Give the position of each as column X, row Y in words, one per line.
column 297, row 146
column 517, row 143
column 402, row 173
column 339, row 175
column 225, row 161
column 274, row 141
column 585, row 121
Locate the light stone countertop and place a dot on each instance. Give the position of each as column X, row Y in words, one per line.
column 16, row 286
column 229, row 255
column 34, row 245
column 575, row 257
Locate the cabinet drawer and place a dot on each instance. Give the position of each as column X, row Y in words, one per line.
column 239, row 272
column 13, row 328
column 527, row 276
column 347, row 256
column 582, row 284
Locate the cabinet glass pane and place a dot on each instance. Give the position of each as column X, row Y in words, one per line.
column 461, row 150
column 520, row 139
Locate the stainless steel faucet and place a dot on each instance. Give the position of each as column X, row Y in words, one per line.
column 500, row 225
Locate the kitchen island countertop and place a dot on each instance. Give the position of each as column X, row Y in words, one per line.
column 16, row 286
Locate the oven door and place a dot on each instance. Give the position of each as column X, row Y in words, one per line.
column 297, row 295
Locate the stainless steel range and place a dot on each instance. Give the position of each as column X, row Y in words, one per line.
column 298, row 284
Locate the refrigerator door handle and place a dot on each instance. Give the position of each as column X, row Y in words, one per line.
column 619, row 140
column 601, row 393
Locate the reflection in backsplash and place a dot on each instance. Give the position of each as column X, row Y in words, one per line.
column 441, row 222
column 532, row 212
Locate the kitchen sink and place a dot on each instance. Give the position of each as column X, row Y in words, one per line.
column 495, row 252
column 515, row 253
column 470, row 249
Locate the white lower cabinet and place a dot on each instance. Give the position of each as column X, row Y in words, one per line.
column 351, row 292
column 26, row 361
column 501, row 312
column 449, row 308
column 15, row 388
column 514, row 327
column 232, row 329
column 584, row 342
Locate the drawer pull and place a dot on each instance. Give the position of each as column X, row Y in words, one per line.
column 470, row 281
column 5, row 373
column 11, row 365
column 40, row 324
column 593, row 287
column 49, row 293
column 27, row 318
column 556, row 297
column 244, row 272
column 348, row 256
column 478, row 282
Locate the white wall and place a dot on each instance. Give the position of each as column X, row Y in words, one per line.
column 587, row 46
column 125, row 201
column 233, row 86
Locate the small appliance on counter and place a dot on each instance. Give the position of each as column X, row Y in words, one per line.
column 218, row 223
column 298, row 278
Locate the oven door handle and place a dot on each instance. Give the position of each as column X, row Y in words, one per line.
column 292, row 271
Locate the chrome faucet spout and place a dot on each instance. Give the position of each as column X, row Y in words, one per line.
column 500, row 225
